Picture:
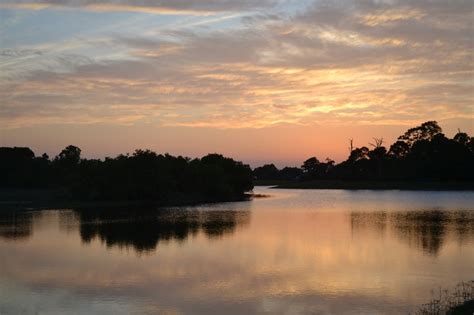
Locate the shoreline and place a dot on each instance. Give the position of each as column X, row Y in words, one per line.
column 370, row 185
column 41, row 199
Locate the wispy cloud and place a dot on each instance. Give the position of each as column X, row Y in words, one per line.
column 367, row 62
column 187, row 7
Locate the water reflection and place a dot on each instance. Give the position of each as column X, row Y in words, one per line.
column 16, row 225
column 425, row 230
column 144, row 229
column 299, row 252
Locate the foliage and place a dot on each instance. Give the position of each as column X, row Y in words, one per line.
column 144, row 175
column 426, row 131
column 267, row 171
column 422, row 153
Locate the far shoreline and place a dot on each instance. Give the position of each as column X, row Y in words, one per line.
column 41, row 199
column 369, row 185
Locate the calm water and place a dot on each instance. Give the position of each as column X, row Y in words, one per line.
column 296, row 252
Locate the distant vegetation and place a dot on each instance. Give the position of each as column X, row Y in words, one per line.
column 141, row 176
column 421, row 154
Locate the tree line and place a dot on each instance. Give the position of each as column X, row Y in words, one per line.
column 143, row 175
column 421, row 153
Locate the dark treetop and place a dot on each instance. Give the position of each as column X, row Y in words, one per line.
column 142, row 176
column 421, row 154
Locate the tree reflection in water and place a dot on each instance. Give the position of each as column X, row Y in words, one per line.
column 16, row 225
column 143, row 230
column 426, row 230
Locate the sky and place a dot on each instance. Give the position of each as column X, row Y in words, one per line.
column 258, row 80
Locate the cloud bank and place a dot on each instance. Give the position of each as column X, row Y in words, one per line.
column 357, row 62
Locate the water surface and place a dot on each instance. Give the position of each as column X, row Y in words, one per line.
column 296, row 252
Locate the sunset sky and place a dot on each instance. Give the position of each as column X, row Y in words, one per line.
column 259, row 80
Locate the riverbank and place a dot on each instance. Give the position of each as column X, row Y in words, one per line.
column 27, row 199
column 372, row 185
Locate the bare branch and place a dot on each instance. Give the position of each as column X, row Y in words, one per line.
column 378, row 142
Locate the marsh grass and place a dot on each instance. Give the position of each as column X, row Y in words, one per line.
column 459, row 300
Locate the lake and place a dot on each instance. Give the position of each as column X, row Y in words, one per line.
column 293, row 252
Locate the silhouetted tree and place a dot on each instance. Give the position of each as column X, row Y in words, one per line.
column 421, row 153
column 462, row 138
column 378, row 142
column 266, row 172
column 69, row 156
column 310, row 167
column 17, row 167
column 377, row 158
column 290, row 173
column 399, row 149
column 359, row 154
column 314, row 169
column 426, row 131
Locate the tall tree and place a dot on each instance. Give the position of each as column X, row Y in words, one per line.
column 426, row 131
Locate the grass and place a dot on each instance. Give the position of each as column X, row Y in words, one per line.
column 458, row 301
